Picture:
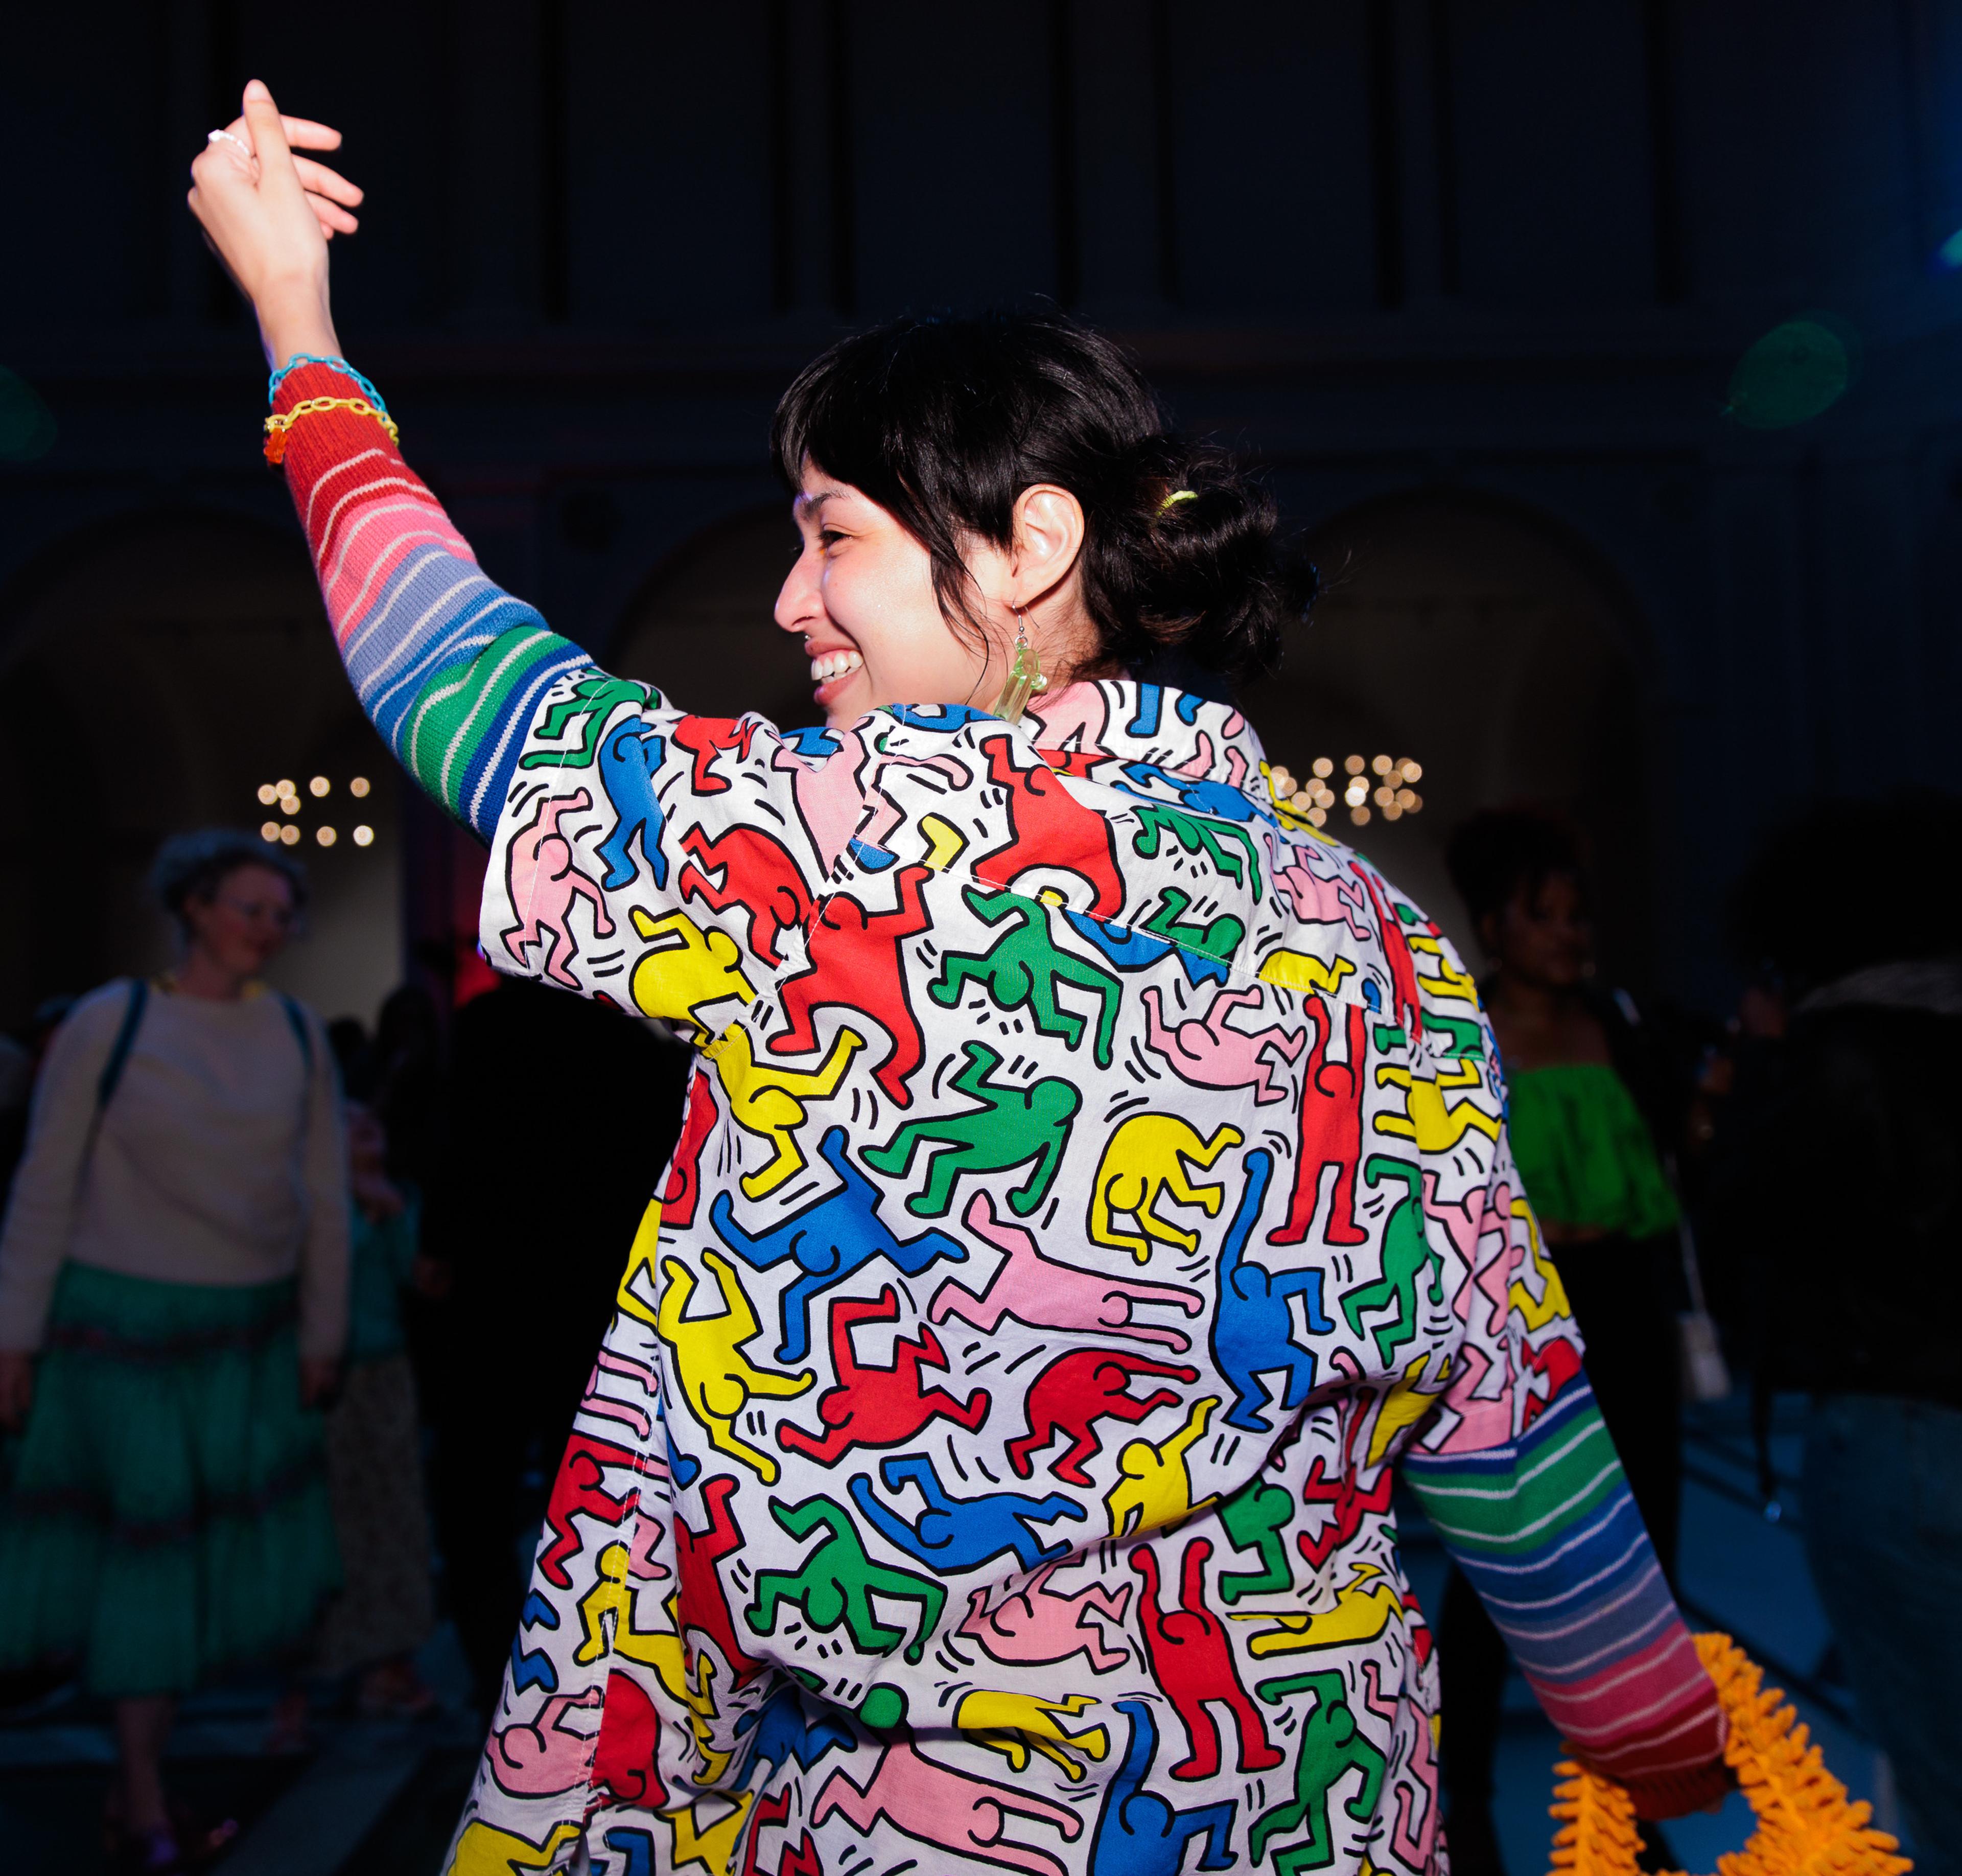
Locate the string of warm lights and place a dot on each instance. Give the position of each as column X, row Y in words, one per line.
column 1377, row 785
column 284, row 795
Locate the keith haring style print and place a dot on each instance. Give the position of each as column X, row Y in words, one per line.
column 1094, row 1182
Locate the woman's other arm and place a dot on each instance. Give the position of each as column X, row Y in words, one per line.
column 1520, row 1479
column 40, row 1213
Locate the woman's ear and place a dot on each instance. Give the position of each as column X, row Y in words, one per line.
column 1048, row 537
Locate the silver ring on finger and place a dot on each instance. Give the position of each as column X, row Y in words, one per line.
column 216, row 136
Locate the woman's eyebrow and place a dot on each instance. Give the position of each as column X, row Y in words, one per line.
column 808, row 505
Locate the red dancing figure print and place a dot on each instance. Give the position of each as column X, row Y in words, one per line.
column 800, row 1860
column 1332, row 1131
column 684, row 1185
column 1051, row 828
column 580, row 1490
column 1351, row 1502
column 856, row 963
column 700, row 1603
column 1077, row 1390
column 1397, row 955
column 758, row 877
column 705, row 738
column 872, row 1406
column 1187, row 1653
column 623, row 1760
column 544, row 881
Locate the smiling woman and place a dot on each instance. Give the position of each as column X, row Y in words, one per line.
column 1004, row 993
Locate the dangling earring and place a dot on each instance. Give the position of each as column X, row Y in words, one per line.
column 1025, row 677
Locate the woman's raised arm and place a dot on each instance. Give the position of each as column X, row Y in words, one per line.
column 625, row 820
column 450, row 667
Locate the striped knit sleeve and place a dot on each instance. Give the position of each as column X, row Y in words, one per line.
column 1546, row 1528
column 452, row 669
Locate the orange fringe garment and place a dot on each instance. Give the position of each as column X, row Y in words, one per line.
column 1806, row 1827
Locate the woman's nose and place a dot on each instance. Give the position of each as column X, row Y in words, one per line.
column 798, row 608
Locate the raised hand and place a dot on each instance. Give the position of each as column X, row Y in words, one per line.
column 268, row 214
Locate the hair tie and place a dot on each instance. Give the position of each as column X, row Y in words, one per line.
column 1176, row 496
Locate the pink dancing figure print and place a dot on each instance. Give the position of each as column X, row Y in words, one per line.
column 1208, row 1052
column 1319, row 901
column 1044, row 1293
column 875, row 1406
column 935, row 1805
column 544, row 881
column 543, row 1756
column 1035, row 1626
column 600, row 1405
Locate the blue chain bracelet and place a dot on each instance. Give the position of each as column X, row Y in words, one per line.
column 279, row 377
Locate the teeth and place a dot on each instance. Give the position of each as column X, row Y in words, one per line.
column 835, row 664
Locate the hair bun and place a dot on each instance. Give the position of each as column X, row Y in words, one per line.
column 1193, row 563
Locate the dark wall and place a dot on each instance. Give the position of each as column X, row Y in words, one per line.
column 1509, row 249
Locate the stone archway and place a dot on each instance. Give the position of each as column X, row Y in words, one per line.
column 153, row 675
column 1487, row 642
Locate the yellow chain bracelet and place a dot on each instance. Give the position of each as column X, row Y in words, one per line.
column 281, row 421
column 1806, row 1825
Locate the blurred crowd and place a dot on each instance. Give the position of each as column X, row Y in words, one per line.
column 292, row 1331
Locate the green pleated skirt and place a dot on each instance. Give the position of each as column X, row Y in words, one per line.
column 167, row 1515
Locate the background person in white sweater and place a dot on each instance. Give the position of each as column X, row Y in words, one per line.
column 173, row 1307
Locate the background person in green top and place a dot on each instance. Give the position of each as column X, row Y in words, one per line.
column 1590, row 1115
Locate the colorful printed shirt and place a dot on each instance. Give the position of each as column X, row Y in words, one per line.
column 1093, row 1182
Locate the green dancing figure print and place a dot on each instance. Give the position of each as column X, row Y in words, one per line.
column 1197, row 836
column 594, row 697
column 1012, row 1127
column 1254, row 1518
column 1022, row 968
column 835, row 1583
column 1407, row 1253
column 1328, row 1749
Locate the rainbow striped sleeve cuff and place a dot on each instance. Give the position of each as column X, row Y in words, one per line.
column 451, row 667
column 1546, row 1530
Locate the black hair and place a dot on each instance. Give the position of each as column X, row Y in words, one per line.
column 1801, row 915
column 943, row 422
column 1499, row 852
column 194, row 866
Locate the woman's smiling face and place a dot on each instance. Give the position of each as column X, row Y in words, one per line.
column 861, row 596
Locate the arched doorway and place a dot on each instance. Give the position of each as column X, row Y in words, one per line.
column 701, row 626
column 153, row 675
column 1482, row 640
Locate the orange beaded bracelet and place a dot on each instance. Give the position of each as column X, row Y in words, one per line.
column 1806, row 1824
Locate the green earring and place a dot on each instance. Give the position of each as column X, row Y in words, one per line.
column 1025, row 678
